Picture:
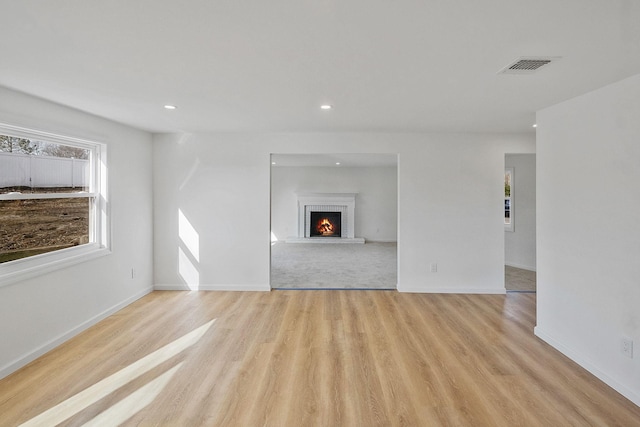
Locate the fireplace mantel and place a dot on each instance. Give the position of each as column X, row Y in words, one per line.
column 328, row 202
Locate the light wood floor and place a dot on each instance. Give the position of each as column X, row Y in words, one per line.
column 312, row 358
column 518, row 279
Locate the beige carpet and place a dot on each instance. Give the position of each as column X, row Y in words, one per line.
column 334, row 265
column 517, row 279
column 344, row 266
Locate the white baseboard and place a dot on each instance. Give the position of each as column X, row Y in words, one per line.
column 420, row 290
column 588, row 365
column 521, row 266
column 183, row 287
column 50, row 345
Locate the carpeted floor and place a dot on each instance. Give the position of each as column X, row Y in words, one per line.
column 517, row 279
column 367, row 266
column 334, row 265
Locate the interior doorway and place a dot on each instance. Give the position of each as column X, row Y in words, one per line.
column 520, row 222
column 363, row 254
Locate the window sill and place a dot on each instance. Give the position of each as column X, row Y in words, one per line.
column 23, row 269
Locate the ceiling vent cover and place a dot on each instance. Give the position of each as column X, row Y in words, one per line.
column 527, row 65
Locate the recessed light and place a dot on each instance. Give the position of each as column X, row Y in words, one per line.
column 535, row 125
column 326, row 107
column 337, row 163
column 170, row 107
column 273, row 163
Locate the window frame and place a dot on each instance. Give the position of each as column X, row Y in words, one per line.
column 99, row 218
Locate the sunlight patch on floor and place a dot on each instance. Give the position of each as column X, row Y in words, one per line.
column 91, row 395
column 135, row 402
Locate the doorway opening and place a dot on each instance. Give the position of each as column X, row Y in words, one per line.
column 334, row 221
column 520, row 222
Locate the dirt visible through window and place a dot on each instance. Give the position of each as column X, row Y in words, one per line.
column 35, row 226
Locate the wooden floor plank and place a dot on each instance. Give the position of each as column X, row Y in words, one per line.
column 313, row 358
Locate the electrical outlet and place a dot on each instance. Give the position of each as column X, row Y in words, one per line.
column 627, row 347
column 434, row 268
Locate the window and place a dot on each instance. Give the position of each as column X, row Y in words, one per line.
column 52, row 202
column 508, row 199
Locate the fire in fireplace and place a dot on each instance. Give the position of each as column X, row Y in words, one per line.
column 325, row 224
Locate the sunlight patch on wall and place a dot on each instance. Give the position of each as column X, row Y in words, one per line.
column 189, row 235
column 188, row 252
column 188, row 271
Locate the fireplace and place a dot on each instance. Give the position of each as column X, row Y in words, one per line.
column 325, row 224
column 326, row 218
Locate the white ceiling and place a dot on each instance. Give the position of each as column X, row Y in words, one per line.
column 255, row 65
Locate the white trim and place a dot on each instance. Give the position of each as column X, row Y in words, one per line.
column 422, row 290
column 99, row 223
column 185, row 287
column 37, row 265
column 35, row 196
column 587, row 364
column 49, row 137
column 60, row 339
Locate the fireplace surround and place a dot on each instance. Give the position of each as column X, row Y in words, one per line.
column 329, row 203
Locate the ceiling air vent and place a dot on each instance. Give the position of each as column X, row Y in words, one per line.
column 527, row 65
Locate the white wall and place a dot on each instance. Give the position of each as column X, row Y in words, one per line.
column 588, row 181
column 450, row 204
column 376, row 210
column 40, row 313
column 520, row 244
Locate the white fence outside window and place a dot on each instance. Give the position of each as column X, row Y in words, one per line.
column 22, row 170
